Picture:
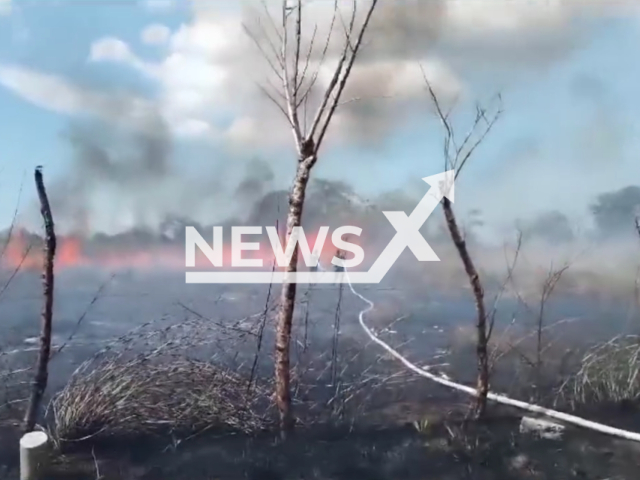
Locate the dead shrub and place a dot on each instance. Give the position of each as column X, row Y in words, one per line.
column 160, row 378
column 608, row 372
column 141, row 397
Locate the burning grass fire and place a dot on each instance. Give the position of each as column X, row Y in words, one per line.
column 23, row 252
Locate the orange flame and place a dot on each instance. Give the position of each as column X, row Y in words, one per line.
column 71, row 252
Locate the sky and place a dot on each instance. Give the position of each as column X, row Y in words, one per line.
column 567, row 71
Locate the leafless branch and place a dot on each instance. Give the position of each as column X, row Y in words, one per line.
column 83, row 316
column 456, row 158
column 13, row 221
column 16, row 269
column 347, row 70
column 263, row 324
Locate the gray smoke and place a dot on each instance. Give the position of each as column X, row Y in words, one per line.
column 552, row 227
column 615, row 212
column 507, row 40
column 131, row 180
column 258, row 180
column 120, row 179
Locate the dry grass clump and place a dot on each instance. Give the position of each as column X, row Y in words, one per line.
column 141, row 397
column 609, row 372
column 160, row 378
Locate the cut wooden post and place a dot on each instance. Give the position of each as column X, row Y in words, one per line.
column 34, row 456
column 41, row 376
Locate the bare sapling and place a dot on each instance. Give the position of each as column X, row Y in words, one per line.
column 535, row 362
column 548, row 286
column 456, row 155
column 42, row 374
column 496, row 352
column 291, row 66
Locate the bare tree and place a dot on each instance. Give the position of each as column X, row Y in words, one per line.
column 456, row 155
column 42, row 375
column 535, row 362
column 548, row 286
column 497, row 352
column 296, row 79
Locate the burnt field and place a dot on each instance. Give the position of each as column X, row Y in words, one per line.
column 361, row 414
column 504, row 340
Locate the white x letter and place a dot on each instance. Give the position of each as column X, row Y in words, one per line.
column 409, row 232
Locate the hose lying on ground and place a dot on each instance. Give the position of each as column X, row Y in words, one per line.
column 502, row 399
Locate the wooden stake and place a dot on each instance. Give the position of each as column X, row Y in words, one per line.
column 42, row 369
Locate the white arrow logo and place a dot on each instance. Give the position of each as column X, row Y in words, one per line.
column 407, row 235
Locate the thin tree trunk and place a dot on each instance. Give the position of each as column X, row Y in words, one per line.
column 478, row 293
column 41, row 377
column 288, row 299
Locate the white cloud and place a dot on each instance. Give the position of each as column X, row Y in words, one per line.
column 211, row 67
column 46, row 91
column 191, row 127
column 206, row 36
column 54, row 93
column 181, row 109
column 472, row 18
column 193, row 75
column 110, row 49
column 155, row 34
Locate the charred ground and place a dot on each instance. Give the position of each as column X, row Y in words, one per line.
column 361, row 416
